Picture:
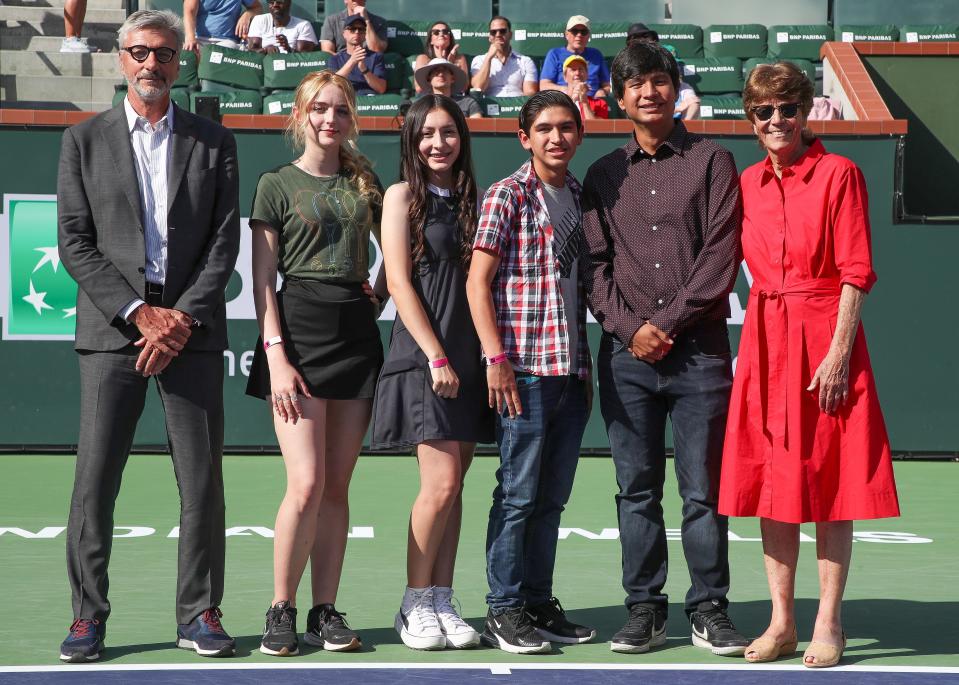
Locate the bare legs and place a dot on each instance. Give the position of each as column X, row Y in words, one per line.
column 73, row 13
column 833, row 549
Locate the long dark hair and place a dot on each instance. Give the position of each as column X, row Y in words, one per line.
column 415, row 172
column 428, row 41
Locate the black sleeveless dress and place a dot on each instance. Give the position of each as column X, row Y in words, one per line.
column 406, row 411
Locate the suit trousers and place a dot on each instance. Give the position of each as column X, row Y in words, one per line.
column 113, row 394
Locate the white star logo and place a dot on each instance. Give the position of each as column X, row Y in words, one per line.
column 36, row 300
column 68, row 312
column 50, row 254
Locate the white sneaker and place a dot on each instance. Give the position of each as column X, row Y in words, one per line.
column 459, row 633
column 416, row 621
column 77, row 44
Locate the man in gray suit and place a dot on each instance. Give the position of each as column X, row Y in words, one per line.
column 147, row 202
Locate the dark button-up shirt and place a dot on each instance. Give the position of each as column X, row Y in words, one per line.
column 662, row 234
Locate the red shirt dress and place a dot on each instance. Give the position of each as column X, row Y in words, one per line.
column 784, row 458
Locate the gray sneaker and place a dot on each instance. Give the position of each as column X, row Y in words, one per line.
column 77, row 44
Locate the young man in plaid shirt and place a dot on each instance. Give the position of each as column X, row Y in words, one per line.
column 526, row 296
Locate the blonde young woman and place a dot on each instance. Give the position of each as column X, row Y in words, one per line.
column 320, row 353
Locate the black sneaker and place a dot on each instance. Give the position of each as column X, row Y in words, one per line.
column 326, row 628
column 84, row 641
column 513, row 632
column 205, row 635
column 551, row 622
column 279, row 635
column 645, row 628
column 714, row 630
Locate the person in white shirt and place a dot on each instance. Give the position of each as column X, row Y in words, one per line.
column 279, row 31
column 502, row 72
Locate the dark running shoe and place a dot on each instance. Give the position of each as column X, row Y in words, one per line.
column 513, row 632
column 205, row 635
column 551, row 622
column 326, row 628
column 645, row 628
column 84, row 642
column 279, row 634
column 714, row 630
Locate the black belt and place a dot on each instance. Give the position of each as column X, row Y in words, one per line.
column 153, row 294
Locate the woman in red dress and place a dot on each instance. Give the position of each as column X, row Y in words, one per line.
column 805, row 441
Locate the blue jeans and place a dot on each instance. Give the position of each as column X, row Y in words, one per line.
column 539, row 450
column 691, row 387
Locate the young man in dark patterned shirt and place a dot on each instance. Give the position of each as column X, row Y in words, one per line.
column 661, row 220
column 526, row 296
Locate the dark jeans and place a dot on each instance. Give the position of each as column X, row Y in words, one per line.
column 539, row 450
column 691, row 386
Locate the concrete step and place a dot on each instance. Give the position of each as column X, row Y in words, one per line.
column 58, row 89
column 48, row 21
column 58, row 4
column 24, row 63
column 33, row 43
column 46, row 105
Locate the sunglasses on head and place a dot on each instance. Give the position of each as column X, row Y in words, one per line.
column 441, row 32
column 787, row 111
column 579, row 32
column 498, row 32
column 141, row 52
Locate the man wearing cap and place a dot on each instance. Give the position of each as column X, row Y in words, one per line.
column 577, row 36
column 687, row 102
column 280, row 31
column 575, row 71
column 441, row 77
column 331, row 35
column 364, row 69
column 503, row 72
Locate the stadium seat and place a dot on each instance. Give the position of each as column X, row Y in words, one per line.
column 734, row 40
column 472, row 37
column 714, row 74
column 795, row 41
column 859, row 32
column 398, row 72
column 536, row 39
column 893, row 12
column 597, row 10
column 614, row 111
column 686, row 38
column 405, row 37
column 607, row 37
column 502, row 107
column 378, row 105
column 721, row 107
column 280, row 102
column 705, row 12
column 808, row 67
column 426, row 10
column 286, row 71
column 235, row 101
column 187, row 77
column 237, row 68
column 925, row 33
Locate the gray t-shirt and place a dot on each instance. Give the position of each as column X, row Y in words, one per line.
column 567, row 223
column 333, row 25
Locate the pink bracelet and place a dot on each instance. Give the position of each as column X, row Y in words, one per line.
column 496, row 359
column 439, row 363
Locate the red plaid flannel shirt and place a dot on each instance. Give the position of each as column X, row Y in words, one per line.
column 515, row 225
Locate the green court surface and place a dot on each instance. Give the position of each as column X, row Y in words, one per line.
column 900, row 610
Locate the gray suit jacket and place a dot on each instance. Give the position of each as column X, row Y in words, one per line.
column 100, row 229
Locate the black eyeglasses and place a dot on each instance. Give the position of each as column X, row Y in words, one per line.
column 356, row 29
column 441, row 32
column 498, row 32
column 579, row 32
column 787, row 111
column 141, row 52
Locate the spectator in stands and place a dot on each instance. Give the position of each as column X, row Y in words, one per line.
column 364, row 69
column 442, row 77
column 575, row 71
column 331, row 35
column 687, row 102
column 503, row 72
column 279, row 31
column 73, row 13
column 439, row 42
column 217, row 22
column 577, row 36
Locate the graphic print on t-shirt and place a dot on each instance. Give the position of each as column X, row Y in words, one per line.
column 332, row 212
column 566, row 234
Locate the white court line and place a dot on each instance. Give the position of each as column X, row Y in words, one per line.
column 495, row 668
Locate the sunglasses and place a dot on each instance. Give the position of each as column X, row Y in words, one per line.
column 498, row 32
column 787, row 111
column 579, row 32
column 141, row 52
column 441, row 32
column 356, row 29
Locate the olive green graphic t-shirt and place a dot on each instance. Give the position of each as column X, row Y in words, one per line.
column 323, row 221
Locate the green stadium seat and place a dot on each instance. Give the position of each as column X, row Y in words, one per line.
column 286, row 71
column 406, row 37
column 808, row 67
column 686, row 38
column 896, row 12
column 926, row 33
column 237, row 68
column 502, row 107
column 235, row 101
column 179, row 95
column 187, row 77
column 607, row 37
column 280, row 102
column 705, row 12
column 378, row 105
column 596, row 10
column 721, row 107
column 398, row 72
column 875, row 32
column 794, row 41
column 614, row 111
column 536, row 39
column 472, row 37
column 714, row 74
column 426, row 10
column 734, row 40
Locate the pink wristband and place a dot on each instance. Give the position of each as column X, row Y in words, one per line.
column 496, row 359
column 439, row 363
column 275, row 340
